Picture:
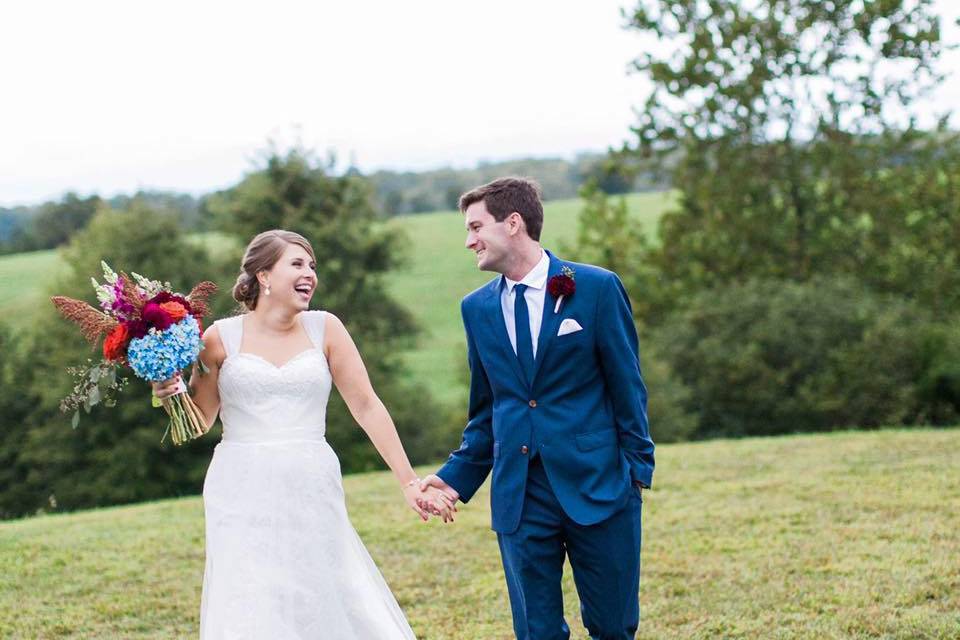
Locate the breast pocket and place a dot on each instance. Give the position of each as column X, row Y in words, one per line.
column 572, row 340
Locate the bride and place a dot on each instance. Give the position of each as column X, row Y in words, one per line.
column 282, row 559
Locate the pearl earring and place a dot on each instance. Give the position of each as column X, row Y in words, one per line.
column 267, row 292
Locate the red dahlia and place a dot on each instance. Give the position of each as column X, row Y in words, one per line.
column 561, row 285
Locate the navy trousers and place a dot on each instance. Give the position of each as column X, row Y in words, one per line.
column 605, row 558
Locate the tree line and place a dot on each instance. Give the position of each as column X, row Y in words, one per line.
column 51, row 224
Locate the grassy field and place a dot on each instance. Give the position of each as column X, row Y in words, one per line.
column 847, row 535
column 439, row 274
column 23, row 279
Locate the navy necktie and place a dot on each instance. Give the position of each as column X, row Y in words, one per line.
column 521, row 318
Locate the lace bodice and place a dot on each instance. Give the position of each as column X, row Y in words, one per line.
column 260, row 402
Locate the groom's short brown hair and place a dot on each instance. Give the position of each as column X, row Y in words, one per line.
column 503, row 196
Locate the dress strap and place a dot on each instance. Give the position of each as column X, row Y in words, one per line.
column 231, row 333
column 315, row 322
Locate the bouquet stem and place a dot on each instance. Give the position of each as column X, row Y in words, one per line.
column 186, row 419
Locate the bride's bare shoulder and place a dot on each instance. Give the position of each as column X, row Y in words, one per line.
column 213, row 353
column 335, row 327
column 336, row 336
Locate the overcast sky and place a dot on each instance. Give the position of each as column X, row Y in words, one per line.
column 114, row 96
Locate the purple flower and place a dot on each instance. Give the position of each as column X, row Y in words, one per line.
column 119, row 306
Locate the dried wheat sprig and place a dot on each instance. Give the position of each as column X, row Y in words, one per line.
column 92, row 322
column 198, row 297
column 131, row 293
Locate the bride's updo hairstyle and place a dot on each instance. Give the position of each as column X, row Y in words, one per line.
column 261, row 254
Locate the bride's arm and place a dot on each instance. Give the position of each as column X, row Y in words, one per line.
column 353, row 383
column 203, row 386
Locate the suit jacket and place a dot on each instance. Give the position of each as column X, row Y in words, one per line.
column 585, row 410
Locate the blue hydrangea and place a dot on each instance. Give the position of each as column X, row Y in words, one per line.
column 160, row 354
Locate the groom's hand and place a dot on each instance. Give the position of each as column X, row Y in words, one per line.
column 435, row 483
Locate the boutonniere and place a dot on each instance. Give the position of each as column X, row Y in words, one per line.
column 562, row 285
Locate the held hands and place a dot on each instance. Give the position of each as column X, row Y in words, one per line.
column 433, row 501
column 437, row 497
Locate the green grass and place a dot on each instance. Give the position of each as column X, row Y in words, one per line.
column 24, row 277
column 847, row 535
column 441, row 271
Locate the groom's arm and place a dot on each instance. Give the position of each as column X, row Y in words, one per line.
column 468, row 466
column 620, row 361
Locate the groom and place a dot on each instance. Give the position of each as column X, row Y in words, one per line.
column 558, row 411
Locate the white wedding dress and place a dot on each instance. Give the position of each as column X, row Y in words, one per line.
column 283, row 561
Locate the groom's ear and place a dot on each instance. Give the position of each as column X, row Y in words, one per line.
column 515, row 223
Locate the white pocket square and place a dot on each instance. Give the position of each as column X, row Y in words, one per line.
column 569, row 325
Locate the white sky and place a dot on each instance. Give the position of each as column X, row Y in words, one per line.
column 113, row 96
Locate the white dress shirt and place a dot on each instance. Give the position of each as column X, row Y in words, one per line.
column 536, row 282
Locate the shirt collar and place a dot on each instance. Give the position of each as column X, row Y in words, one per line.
column 536, row 278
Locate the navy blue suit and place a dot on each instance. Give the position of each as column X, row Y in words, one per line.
column 566, row 448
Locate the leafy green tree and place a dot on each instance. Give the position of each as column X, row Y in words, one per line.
column 16, row 401
column 15, row 229
column 354, row 252
column 184, row 206
column 56, row 222
column 767, row 357
column 799, row 152
column 606, row 236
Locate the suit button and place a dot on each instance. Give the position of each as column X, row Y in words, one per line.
column 532, row 403
column 524, row 449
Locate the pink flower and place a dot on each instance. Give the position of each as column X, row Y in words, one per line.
column 154, row 315
column 119, row 306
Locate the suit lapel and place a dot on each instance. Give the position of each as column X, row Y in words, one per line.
column 550, row 320
column 493, row 312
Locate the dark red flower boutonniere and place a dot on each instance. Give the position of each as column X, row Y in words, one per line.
column 562, row 285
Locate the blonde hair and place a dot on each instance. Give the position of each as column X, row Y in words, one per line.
column 260, row 255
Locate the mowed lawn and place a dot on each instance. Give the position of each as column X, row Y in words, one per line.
column 846, row 535
column 439, row 273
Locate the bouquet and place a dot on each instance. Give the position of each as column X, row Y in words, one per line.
column 150, row 329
